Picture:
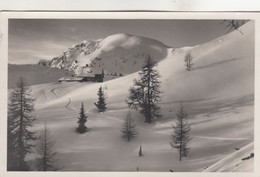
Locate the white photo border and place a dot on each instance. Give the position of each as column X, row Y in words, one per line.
column 5, row 16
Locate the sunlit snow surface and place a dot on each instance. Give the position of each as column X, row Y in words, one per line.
column 218, row 94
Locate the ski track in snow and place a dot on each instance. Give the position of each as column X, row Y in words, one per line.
column 54, row 92
column 67, row 105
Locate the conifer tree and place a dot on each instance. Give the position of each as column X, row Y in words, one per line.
column 188, row 61
column 129, row 128
column 101, row 104
column 12, row 156
column 20, row 137
column 181, row 134
column 82, row 119
column 46, row 150
column 145, row 94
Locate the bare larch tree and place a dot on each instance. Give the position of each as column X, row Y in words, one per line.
column 46, row 150
column 188, row 61
column 181, row 133
column 20, row 119
column 129, row 130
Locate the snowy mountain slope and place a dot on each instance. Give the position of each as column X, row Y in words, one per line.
column 227, row 70
column 222, row 67
column 119, row 53
column 218, row 94
column 239, row 161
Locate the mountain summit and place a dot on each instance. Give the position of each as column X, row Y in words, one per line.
column 118, row 53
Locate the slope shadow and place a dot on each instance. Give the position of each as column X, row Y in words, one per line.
column 225, row 106
column 217, row 63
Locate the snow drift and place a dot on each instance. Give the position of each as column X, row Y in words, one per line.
column 239, row 161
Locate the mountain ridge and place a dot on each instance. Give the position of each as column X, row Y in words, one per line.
column 119, row 53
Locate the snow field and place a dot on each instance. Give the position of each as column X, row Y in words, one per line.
column 218, row 94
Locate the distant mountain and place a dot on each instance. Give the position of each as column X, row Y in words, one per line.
column 34, row 74
column 119, row 53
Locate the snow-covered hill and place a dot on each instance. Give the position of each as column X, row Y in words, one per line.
column 119, row 53
column 218, row 94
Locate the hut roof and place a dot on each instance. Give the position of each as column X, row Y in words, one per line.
column 70, row 79
column 88, row 71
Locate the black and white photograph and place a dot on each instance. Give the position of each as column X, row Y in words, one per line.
column 130, row 94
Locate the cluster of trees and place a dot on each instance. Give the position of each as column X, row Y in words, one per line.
column 144, row 96
column 21, row 140
column 101, row 106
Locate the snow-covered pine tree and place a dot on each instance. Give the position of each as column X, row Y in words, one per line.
column 181, row 133
column 20, row 137
column 145, row 94
column 46, row 150
column 101, row 104
column 188, row 61
column 129, row 130
column 82, row 119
